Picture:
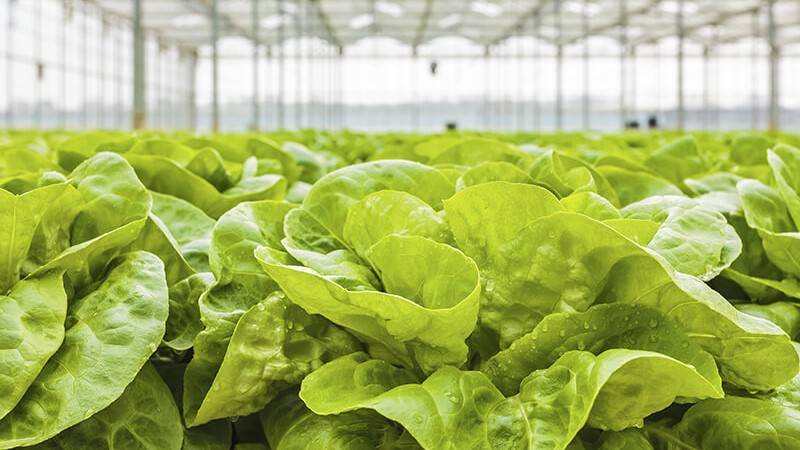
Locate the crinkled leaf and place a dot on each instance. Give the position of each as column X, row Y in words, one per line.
column 694, row 239
column 275, row 344
column 492, row 171
column 601, row 328
column 455, row 409
column 315, row 247
column 331, row 197
column 571, row 261
column 429, row 308
column 289, row 425
column 31, row 330
column 390, row 212
column 143, row 417
column 110, row 334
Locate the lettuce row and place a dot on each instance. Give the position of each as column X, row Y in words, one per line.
column 205, row 292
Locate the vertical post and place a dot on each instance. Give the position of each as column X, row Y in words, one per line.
column 586, row 70
column 298, row 70
column 707, row 87
column 560, row 87
column 9, row 75
column 281, row 69
column 118, row 103
column 67, row 8
column 485, row 113
column 269, row 85
column 520, row 111
column 156, row 83
column 214, row 67
column 537, row 57
column 85, row 68
column 340, row 87
column 139, row 105
column 39, row 64
column 255, row 125
column 774, row 68
column 754, row 72
column 102, row 73
column 415, row 80
column 191, row 92
column 559, row 69
column 681, row 111
column 633, row 96
column 633, row 107
column 623, row 63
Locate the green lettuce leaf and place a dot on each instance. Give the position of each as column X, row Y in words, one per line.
column 289, row 425
column 331, row 197
column 31, row 330
column 456, row 409
column 110, row 334
column 143, row 417
column 429, row 308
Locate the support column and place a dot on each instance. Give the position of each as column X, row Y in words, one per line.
column 707, row 87
column 214, row 67
column 486, row 86
column 342, row 119
column 560, row 87
column 559, row 69
column 416, row 113
column 256, row 91
column 191, row 100
column 754, row 101
column 681, row 111
column 586, row 125
column 633, row 105
column 623, row 63
column 269, row 63
column 281, row 99
column 139, row 61
column 537, row 58
column 774, row 69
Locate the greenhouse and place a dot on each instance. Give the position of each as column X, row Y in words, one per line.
column 234, row 65
column 400, row 224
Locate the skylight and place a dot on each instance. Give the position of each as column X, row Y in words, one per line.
column 485, row 8
column 389, row 8
column 673, row 7
column 189, row 21
column 449, row 21
column 276, row 20
column 579, row 7
column 362, row 21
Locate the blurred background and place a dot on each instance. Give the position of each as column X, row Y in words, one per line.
column 404, row 65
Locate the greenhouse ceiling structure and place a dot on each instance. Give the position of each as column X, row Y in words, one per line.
column 552, row 37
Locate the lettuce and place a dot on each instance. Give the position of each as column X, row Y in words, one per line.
column 349, row 291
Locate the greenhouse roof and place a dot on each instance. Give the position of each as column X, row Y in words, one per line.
column 485, row 22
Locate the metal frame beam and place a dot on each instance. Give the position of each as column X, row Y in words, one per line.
column 139, row 62
column 191, row 91
column 688, row 29
column 520, row 24
column 622, row 21
column 214, row 67
column 586, row 58
column 623, row 62
column 423, row 25
column 774, row 68
column 559, row 70
column 223, row 19
column 256, row 112
column 326, row 23
column 680, row 113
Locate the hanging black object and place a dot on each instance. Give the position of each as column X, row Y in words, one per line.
column 434, row 68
